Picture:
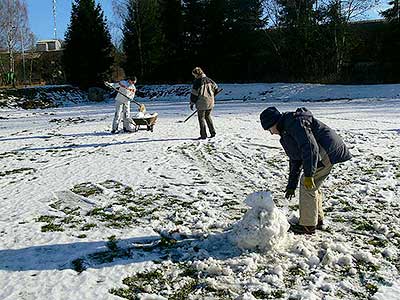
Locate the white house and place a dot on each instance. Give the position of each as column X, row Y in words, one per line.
column 48, row 45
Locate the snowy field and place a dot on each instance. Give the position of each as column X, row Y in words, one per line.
column 151, row 215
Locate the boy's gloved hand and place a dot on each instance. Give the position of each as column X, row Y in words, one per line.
column 289, row 193
column 309, row 183
column 191, row 106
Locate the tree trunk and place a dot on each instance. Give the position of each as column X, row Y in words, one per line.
column 139, row 35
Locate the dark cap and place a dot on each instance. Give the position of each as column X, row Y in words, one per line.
column 269, row 117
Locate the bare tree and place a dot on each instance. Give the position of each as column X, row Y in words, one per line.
column 120, row 13
column 14, row 28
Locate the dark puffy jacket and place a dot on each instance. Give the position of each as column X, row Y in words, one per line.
column 203, row 91
column 302, row 137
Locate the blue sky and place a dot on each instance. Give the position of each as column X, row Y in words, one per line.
column 41, row 16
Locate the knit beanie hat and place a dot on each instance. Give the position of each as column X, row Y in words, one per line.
column 269, row 117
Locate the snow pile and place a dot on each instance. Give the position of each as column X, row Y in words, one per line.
column 263, row 227
column 42, row 97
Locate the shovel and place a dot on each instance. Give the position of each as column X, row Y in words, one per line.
column 142, row 107
column 180, row 121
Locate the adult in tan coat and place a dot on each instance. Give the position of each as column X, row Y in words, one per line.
column 202, row 96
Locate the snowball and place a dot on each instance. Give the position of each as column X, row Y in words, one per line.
column 263, row 227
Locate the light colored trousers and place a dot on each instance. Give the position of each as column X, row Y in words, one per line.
column 122, row 110
column 311, row 200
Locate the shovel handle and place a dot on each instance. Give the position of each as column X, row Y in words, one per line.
column 118, row 91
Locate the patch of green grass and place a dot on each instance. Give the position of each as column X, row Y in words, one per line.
column 70, row 220
column 137, row 284
column 52, row 228
column 71, row 211
column 86, row 189
column 367, row 266
column 78, row 265
column 188, row 271
column 220, row 293
column 364, row 225
column 371, row 288
column 88, row 226
column 113, row 252
column 109, row 256
column 184, row 292
column 339, row 219
column 378, row 242
column 16, row 171
column 81, row 236
column 47, row 219
column 166, row 242
column 209, row 149
column 260, row 294
column 112, row 243
column 56, row 205
column 296, row 271
column 136, row 209
column 8, row 154
column 229, row 203
column 275, row 294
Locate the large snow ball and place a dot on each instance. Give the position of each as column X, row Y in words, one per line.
column 263, row 227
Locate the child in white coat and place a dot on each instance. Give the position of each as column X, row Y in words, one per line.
column 122, row 104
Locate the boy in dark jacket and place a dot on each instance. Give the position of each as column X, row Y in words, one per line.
column 312, row 146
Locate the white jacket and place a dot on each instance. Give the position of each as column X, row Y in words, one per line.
column 125, row 88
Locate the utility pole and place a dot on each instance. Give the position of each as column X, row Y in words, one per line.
column 55, row 19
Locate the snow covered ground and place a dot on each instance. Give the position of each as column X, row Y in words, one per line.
column 150, row 215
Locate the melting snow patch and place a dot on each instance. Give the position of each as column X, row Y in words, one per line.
column 263, row 227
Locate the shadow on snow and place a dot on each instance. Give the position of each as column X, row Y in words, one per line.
column 97, row 255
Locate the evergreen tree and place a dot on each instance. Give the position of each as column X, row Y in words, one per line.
column 172, row 30
column 88, row 50
column 243, row 37
column 391, row 52
column 194, row 25
column 215, row 46
column 131, row 43
column 142, row 39
column 337, row 35
column 300, row 40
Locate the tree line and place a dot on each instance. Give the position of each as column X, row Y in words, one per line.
column 233, row 40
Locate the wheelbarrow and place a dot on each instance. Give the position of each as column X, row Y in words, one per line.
column 148, row 121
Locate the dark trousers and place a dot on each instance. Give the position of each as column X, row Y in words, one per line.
column 204, row 117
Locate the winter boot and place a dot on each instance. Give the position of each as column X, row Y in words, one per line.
column 300, row 229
